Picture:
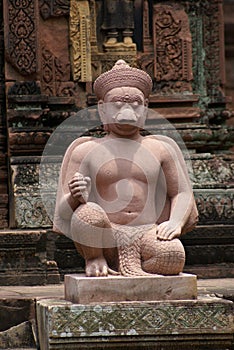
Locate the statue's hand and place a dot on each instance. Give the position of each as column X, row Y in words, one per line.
column 80, row 187
column 168, row 230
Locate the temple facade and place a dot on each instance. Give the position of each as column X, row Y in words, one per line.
column 51, row 51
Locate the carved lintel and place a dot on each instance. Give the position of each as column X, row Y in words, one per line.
column 80, row 40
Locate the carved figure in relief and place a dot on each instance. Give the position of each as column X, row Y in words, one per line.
column 125, row 199
column 118, row 20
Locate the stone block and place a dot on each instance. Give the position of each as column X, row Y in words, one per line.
column 18, row 337
column 205, row 323
column 85, row 290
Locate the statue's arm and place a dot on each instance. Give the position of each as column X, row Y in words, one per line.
column 179, row 192
column 75, row 184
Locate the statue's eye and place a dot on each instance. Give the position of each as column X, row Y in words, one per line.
column 118, row 103
column 135, row 104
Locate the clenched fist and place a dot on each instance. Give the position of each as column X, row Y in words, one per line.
column 80, row 187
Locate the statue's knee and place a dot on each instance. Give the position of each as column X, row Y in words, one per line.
column 87, row 225
column 90, row 214
column 164, row 257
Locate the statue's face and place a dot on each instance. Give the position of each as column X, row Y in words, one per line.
column 123, row 110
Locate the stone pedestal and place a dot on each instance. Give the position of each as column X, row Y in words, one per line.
column 205, row 323
column 84, row 290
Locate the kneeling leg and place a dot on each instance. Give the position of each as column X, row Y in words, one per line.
column 162, row 257
column 92, row 235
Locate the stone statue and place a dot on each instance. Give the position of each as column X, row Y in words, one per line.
column 125, row 199
column 118, row 21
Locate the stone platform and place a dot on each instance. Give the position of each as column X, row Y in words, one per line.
column 19, row 323
column 83, row 290
column 201, row 324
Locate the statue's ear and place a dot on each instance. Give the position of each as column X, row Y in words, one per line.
column 146, row 102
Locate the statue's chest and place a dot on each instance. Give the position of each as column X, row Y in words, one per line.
column 115, row 170
column 123, row 161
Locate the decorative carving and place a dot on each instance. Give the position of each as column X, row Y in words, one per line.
column 140, row 319
column 214, row 62
column 30, row 211
column 213, row 172
column 3, row 133
column 93, row 31
column 80, row 40
column 172, row 49
column 24, row 88
column 147, row 40
column 215, row 206
column 21, row 35
column 54, row 8
column 52, row 83
column 26, row 141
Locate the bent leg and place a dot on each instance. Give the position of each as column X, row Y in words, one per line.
column 91, row 232
column 162, row 257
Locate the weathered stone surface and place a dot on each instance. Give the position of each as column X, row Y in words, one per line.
column 14, row 311
column 84, row 290
column 25, row 258
column 20, row 336
column 203, row 324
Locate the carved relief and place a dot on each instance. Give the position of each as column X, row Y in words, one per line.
column 21, row 35
column 3, row 132
column 214, row 62
column 215, row 206
column 172, row 49
column 30, row 210
column 80, row 40
column 213, row 171
column 93, row 32
column 24, row 88
column 54, row 8
column 122, row 320
column 53, row 71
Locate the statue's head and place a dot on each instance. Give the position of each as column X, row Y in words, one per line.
column 122, row 94
column 122, row 75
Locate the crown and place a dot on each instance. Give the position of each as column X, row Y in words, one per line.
column 122, row 75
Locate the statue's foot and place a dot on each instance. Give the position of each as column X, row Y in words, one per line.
column 96, row 267
column 111, row 41
column 127, row 40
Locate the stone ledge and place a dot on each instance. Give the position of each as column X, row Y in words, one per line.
column 197, row 324
column 84, row 290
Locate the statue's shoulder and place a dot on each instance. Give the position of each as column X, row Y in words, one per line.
column 81, row 140
column 77, row 143
column 164, row 141
column 78, row 147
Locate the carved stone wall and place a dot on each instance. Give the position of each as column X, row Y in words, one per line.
column 3, row 139
column 229, row 52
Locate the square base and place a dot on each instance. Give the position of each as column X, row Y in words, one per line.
column 84, row 290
